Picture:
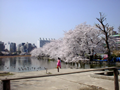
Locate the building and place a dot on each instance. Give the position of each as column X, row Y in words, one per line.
column 116, row 37
column 42, row 42
column 28, row 47
column 2, row 46
column 113, row 32
column 7, row 46
column 11, row 46
column 25, row 47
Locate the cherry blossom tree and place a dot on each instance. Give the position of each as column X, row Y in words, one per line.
column 83, row 40
column 75, row 45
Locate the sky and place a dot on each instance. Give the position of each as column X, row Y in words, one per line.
column 29, row 20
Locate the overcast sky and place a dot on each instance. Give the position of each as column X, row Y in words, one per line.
column 28, row 20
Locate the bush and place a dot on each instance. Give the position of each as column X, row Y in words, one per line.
column 116, row 53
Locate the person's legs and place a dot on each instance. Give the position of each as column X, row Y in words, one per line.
column 58, row 69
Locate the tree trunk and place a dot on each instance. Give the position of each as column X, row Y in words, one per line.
column 108, row 49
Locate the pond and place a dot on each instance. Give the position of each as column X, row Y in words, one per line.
column 27, row 64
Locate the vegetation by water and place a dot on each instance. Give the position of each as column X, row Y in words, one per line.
column 15, row 56
column 6, row 74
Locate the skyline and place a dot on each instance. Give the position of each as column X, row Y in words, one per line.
column 27, row 20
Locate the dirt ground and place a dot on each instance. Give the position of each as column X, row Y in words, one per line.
column 78, row 81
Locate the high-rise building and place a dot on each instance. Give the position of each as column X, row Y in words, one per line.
column 18, row 47
column 22, row 49
column 25, row 47
column 2, row 46
column 42, row 42
column 28, row 47
column 11, row 46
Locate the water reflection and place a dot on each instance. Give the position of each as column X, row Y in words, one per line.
column 26, row 64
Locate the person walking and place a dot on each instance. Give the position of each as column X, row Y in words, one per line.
column 58, row 64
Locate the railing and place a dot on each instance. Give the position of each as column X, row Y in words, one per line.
column 6, row 82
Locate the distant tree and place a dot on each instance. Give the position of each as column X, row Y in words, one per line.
column 111, row 31
column 119, row 29
column 106, row 32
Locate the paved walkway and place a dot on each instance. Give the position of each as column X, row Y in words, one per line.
column 79, row 81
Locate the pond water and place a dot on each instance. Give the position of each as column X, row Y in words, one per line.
column 26, row 64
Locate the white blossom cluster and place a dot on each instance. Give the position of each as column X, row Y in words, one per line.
column 74, row 46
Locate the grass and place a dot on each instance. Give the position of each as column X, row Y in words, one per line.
column 6, row 74
column 49, row 73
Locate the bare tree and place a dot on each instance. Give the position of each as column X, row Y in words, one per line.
column 106, row 31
